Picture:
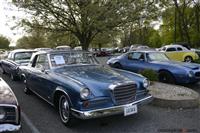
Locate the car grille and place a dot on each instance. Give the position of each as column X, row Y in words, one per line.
column 197, row 74
column 11, row 115
column 124, row 94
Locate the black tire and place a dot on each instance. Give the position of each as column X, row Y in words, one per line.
column 64, row 109
column 188, row 59
column 26, row 89
column 3, row 71
column 117, row 65
column 12, row 77
column 166, row 77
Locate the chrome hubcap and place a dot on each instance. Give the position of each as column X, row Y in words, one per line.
column 64, row 109
column 188, row 59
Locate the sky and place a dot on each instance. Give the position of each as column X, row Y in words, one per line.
column 7, row 21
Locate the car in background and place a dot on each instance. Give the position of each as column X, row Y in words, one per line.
column 102, row 52
column 78, row 48
column 9, row 109
column 42, row 49
column 3, row 54
column 168, row 71
column 125, row 49
column 196, row 50
column 63, row 47
column 79, row 87
column 179, row 53
column 15, row 59
column 136, row 47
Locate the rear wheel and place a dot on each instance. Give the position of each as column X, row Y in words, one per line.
column 117, row 65
column 65, row 111
column 188, row 59
column 166, row 77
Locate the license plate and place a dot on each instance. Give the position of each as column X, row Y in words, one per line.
column 130, row 109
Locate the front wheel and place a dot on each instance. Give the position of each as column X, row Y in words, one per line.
column 188, row 59
column 117, row 65
column 64, row 111
column 166, row 77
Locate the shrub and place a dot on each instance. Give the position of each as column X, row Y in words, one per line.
column 150, row 74
column 197, row 61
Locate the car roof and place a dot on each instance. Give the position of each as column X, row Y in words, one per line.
column 61, row 51
column 146, row 51
column 174, row 45
column 23, row 50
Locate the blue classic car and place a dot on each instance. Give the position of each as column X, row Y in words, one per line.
column 14, row 60
column 168, row 71
column 79, row 87
column 9, row 109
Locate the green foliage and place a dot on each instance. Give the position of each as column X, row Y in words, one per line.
column 35, row 40
column 150, row 74
column 197, row 61
column 4, row 42
column 85, row 19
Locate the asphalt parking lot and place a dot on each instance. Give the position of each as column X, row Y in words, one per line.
column 40, row 117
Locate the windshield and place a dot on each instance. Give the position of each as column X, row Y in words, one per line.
column 157, row 57
column 22, row 56
column 61, row 59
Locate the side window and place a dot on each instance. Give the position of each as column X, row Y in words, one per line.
column 41, row 62
column 171, row 49
column 179, row 49
column 136, row 56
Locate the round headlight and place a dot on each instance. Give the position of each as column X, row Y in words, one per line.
column 85, row 92
column 190, row 74
column 145, row 83
column 2, row 113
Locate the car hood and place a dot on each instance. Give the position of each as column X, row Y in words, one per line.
column 6, row 95
column 192, row 66
column 95, row 77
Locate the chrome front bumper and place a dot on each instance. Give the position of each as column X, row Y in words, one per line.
column 108, row 111
column 9, row 128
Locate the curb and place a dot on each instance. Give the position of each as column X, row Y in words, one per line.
column 192, row 102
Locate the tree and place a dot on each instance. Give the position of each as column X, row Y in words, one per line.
column 35, row 40
column 4, row 42
column 85, row 19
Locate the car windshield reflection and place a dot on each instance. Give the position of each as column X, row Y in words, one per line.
column 157, row 57
column 62, row 59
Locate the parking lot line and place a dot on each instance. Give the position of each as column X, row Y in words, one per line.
column 29, row 123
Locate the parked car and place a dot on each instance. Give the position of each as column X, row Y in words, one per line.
column 125, row 49
column 179, row 53
column 102, row 52
column 9, row 109
column 197, row 51
column 14, row 60
column 63, row 47
column 3, row 54
column 78, row 48
column 136, row 47
column 79, row 87
column 42, row 49
column 168, row 71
